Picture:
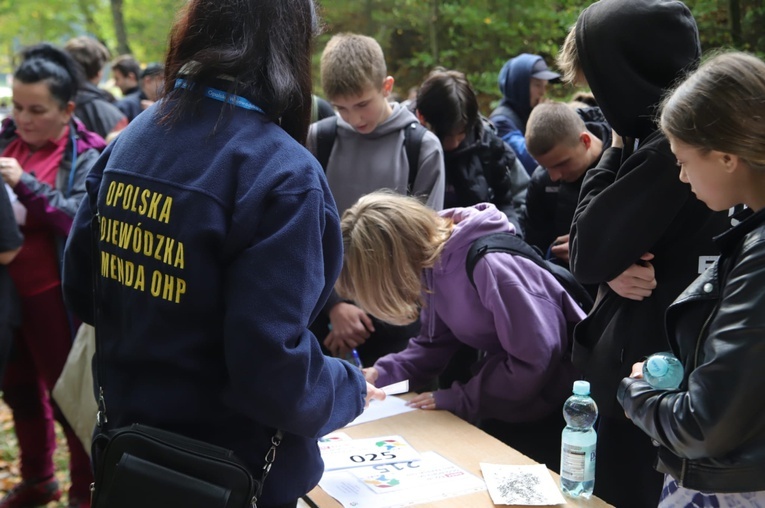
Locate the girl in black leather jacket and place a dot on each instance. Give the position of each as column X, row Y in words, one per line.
column 711, row 431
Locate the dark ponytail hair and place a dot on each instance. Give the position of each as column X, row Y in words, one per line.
column 54, row 66
column 263, row 45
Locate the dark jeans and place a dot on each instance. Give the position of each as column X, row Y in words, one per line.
column 624, row 473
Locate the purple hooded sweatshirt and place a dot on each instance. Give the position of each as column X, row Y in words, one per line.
column 517, row 313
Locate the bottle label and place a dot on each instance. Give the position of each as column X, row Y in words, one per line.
column 578, row 463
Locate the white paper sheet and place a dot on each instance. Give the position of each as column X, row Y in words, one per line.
column 529, row 485
column 340, row 454
column 378, row 409
column 396, row 388
column 430, row 479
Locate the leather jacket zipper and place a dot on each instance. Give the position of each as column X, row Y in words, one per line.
column 684, row 464
column 683, row 469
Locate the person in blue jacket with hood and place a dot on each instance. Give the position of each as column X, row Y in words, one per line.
column 219, row 242
column 523, row 83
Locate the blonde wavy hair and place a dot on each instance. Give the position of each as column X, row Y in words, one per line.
column 388, row 240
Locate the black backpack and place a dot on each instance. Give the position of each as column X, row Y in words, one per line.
column 326, row 132
column 510, row 243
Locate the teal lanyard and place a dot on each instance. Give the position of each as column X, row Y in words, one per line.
column 220, row 95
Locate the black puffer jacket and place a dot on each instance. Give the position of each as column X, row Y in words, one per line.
column 712, row 430
column 484, row 169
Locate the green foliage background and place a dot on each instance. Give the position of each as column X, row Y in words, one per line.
column 475, row 36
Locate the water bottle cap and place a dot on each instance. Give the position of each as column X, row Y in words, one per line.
column 657, row 366
column 581, row 388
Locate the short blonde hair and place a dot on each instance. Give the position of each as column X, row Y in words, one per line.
column 351, row 63
column 551, row 124
column 568, row 59
column 388, row 240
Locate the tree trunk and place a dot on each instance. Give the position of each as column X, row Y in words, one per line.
column 734, row 10
column 434, row 32
column 123, row 47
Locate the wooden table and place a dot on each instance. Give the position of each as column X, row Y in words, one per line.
column 456, row 440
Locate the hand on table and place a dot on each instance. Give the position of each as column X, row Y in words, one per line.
column 426, row 400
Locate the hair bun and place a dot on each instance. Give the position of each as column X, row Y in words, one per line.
column 50, row 53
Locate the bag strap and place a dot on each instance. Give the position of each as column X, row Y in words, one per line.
column 326, row 131
column 95, row 263
column 413, row 135
column 512, row 244
column 101, row 417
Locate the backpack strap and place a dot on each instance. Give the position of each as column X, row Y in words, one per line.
column 512, row 244
column 413, row 135
column 326, row 132
column 314, row 108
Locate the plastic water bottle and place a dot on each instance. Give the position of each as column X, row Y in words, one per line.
column 577, row 456
column 663, row 371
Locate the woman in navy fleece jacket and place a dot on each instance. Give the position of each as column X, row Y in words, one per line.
column 219, row 243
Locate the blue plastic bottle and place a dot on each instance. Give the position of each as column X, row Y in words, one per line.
column 663, row 371
column 577, row 456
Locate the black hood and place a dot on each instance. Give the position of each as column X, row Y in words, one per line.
column 631, row 51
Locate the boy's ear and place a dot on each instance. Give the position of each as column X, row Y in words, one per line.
column 387, row 86
column 585, row 138
column 420, row 117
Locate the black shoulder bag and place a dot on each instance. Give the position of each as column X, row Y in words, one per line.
column 138, row 465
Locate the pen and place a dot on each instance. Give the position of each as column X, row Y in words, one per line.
column 355, row 358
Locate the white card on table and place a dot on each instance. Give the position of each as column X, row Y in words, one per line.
column 338, row 454
column 529, row 485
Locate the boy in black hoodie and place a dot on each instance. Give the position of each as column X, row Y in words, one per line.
column 637, row 231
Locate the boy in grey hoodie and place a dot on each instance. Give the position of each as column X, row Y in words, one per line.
column 368, row 154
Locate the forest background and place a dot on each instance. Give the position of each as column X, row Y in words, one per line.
column 473, row 36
